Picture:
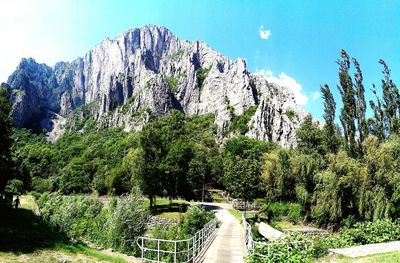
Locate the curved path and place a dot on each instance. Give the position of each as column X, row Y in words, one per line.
column 228, row 243
column 366, row 250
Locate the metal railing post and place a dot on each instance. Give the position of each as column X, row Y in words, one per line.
column 158, row 250
column 174, row 251
column 142, row 248
column 194, row 246
column 188, row 250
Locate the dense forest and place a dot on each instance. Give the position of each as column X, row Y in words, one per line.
column 338, row 173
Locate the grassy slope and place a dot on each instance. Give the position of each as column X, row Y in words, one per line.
column 170, row 209
column 25, row 238
column 385, row 257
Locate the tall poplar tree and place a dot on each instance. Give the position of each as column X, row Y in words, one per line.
column 376, row 124
column 391, row 103
column 360, row 103
column 348, row 112
column 330, row 135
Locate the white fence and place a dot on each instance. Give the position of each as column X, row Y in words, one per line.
column 182, row 251
column 241, row 205
column 252, row 246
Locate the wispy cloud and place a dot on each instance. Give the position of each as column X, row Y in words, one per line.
column 287, row 81
column 264, row 33
column 315, row 95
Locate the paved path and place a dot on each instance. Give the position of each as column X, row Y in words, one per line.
column 366, row 250
column 227, row 246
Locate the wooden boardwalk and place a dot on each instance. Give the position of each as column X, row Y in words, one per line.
column 227, row 246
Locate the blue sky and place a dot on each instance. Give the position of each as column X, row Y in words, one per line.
column 292, row 42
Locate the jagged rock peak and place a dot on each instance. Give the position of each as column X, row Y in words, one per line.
column 149, row 72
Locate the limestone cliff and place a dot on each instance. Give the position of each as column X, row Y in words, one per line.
column 148, row 72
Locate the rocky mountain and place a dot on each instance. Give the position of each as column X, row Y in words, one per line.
column 148, row 72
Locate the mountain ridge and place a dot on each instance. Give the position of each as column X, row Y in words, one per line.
column 148, row 72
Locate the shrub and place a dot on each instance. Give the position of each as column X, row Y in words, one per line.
column 239, row 123
column 84, row 218
column 283, row 251
column 202, row 74
column 127, row 222
column 172, row 84
column 195, row 218
column 277, row 210
column 15, row 186
column 360, row 234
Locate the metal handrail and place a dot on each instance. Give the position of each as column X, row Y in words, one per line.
column 192, row 246
column 250, row 244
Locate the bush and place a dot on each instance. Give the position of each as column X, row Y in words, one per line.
column 202, row 74
column 283, row 251
column 195, row 218
column 373, row 232
column 15, row 186
column 72, row 215
column 126, row 223
column 239, row 123
column 277, row 210
column 360, row 234
column 80, row 217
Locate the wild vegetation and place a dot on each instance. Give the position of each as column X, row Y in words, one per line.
column 85, row 218
column 339, row 180
column 337, row 175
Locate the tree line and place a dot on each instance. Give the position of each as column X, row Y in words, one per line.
column 348, row 172
column 337, row 173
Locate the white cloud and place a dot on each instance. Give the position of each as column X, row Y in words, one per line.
column 285, row 80
column 264, row 33
column 315, row 95
column 40, row 29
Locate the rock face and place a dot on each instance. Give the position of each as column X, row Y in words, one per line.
column 148, row 72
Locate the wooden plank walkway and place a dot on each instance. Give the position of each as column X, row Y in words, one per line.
column 227, row 246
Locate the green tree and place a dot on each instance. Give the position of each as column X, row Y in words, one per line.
column 361, row 105
column 336, row 190
column 242, row 178
column 199, row 172
column 174, row 167
column 391, row 101
column 331, row 137
column 376, row 124
column 5, row 139
column 310, row 137
column 147, row 172
column 348, row 112
column 278, row 177
column 245, row 147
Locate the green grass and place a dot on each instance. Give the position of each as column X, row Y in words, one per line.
column 23, row 235
column 171, row 215
column 62, row 253
column 171, row 209
column 82, row 249
column 237, row 214
column 284, row 225
column 384, row 257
